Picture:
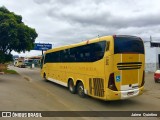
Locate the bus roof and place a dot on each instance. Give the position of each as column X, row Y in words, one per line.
column 79, row 44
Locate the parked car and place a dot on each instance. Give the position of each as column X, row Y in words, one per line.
column 157, row 76
column 22, row 66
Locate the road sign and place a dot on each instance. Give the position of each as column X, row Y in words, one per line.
column 42, row 46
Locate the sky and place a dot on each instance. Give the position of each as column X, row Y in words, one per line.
column 64, row 22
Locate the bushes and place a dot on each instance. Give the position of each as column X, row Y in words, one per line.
column 3, row 67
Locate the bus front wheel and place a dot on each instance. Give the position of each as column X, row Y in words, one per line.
column 80, row 89
column 71, row 87
column 44, row 76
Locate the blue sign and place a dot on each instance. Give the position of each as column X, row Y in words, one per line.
column 118, row 78
column 42, row 46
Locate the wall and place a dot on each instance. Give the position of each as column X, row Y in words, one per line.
column 151, row 58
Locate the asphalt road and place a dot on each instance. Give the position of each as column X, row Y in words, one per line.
column 29, row 92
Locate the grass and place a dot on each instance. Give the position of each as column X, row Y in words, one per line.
column 10, row 72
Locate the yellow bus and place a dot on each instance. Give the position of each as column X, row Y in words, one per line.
column 107, row 68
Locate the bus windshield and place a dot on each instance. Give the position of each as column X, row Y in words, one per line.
column 124, row 44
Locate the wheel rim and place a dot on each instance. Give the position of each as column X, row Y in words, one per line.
column 70, row 86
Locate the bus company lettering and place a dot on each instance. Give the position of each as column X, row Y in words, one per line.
column 78, row 68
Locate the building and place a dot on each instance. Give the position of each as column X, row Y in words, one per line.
column 15, row 57
column 36, row 60
column 152, row 58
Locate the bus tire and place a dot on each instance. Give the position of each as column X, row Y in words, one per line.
column 80, row 90
column 44, row 76
column 71, row 87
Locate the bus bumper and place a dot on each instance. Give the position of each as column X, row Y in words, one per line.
column 118, row 95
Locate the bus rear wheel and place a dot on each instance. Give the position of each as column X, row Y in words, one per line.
column 80, row 90
column 71, row 87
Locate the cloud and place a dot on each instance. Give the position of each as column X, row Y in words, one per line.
column 41, row 1
column 62, row 22
column 101, row 15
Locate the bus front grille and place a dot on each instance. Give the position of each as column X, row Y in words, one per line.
column 129, row 65
column 96, row 87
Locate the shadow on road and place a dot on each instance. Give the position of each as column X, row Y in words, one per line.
column 113, row 104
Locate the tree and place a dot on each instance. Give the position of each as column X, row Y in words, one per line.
column 14, row 35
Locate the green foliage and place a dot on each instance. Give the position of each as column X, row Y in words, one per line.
column 4, row 58
column 14, row 34
column 10, row 72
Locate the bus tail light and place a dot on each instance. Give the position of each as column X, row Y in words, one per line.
column 143, row 80
column 111, row 83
